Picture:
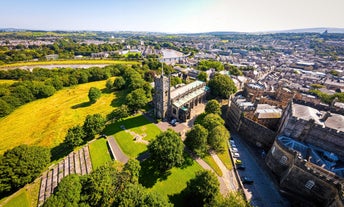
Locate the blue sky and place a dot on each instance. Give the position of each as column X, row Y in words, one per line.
column 171, row 15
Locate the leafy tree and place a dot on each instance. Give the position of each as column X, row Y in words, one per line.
column 137, row 99
column 167, row 150
column 109, row 84
column 119, row 83
column 196, row 140
column 46, row 91
column 232, row 199
column 222, row 86
column 102, row 185
column 213, row 106
column 75, row 136
column 67, row 193
column 175, row 81
column 210, row 121
column 5, row 108
column 203, row 189
column 94, row 94
column 202, row 76
column 207, row 64
column 233, row 70
column 21, row 165
column 93, row 125
column 119, row 113
column 137, row 195
column 131, row 170
column 217, row 138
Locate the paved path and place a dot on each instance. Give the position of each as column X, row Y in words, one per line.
column 228, row 176
column 116, row 150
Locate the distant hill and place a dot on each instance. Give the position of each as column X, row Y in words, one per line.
column 311, row 30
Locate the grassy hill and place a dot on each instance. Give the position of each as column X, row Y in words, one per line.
column 45, row 122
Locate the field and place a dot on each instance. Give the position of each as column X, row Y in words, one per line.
column 45, row 122
column 21, row 199
column 99, row 153
column 138, row 124
column 211, row 162
column 67, row 62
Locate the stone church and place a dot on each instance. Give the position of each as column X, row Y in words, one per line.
column 177, row 103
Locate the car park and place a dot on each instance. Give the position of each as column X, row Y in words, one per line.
column 246, row 180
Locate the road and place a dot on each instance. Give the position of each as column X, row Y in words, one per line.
column 263, row 192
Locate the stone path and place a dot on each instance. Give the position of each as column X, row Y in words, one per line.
column 227, row 175
column 78, row 162
column 137, row 137
column 116, row 151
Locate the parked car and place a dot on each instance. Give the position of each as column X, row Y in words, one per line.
column 173, row 122
column 237, row 161
column 236, row 155
column 233, row 145
column 240, row 166
column 234, row 149
column 246, row 180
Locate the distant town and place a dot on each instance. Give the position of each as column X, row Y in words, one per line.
column 249, row 119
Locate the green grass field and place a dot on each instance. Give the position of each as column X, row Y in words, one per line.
column 68, row 62
column 20, row 199
column 211, row 162
column 99, row 153
column 45, row 122
column 138, row 124
column 226, row 160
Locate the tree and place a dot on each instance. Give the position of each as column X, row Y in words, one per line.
column 137, row 99
column 222, row 86
column 167, row 150
column 119, row 83
column 75, row 136
column 109, row 84
column 196, row 140
column 93, row 125
column 131, row 170
column 94, row 94
column 119, row 113
column 175, row 81
column 203, row 189
column 67, row 193
column 5, row 108
column 232, row 199
column 21, row 165
column 137, row 195
column 217, row 138
column 202, row 76
column 210, row 121
column 213, row 106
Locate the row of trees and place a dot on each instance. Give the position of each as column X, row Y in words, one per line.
column 77, row 135
column 42, row 83
column 209, row 132
column 21, row 165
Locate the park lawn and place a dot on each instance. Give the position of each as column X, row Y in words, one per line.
column 99, row 153
column 176, row 181
column 226, row 160
column 68, row 62
column 138, row 124
column 211, row 162
column 20, row 199
column 45, row 122
column 9, row 82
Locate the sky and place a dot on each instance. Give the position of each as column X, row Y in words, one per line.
column 171, row 16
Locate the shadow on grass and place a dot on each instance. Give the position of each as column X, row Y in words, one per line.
column 131, row 122
column 82, row 105
column 120, row 98
column 150, row 174
column 179, row 199
column 60, row 151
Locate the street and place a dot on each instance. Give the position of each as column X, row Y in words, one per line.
column 262, row 192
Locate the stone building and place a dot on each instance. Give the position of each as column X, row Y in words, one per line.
column 177, row 103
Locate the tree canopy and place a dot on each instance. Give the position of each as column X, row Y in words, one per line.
column 94, row 94
column 222, row 86
column 93, row 125
column 196, row 140
column 217, row 138
column 167, row 150
column 213, row 106
column 75, row 136
column 210, row 121
column 21, row 165
column 208, row 64
column 137, row 99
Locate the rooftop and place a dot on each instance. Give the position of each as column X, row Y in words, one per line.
column 182, row 90
column 185, row 99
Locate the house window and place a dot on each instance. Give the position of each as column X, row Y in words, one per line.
column 284, row 160
column 309, row 184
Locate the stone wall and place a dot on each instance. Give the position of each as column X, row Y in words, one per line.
column 305, row 179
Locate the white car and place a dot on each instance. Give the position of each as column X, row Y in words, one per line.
column 236, row 155
column 234, row 149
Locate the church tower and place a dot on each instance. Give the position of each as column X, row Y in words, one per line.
column 161, row 96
